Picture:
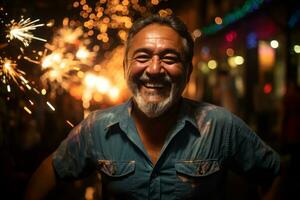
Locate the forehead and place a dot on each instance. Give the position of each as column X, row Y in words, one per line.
column 157, row 36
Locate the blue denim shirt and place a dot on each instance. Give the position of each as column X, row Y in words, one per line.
column 205, row 141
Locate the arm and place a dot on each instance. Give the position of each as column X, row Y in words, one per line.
column 42, row 181
column 68, row 162
column 259, row 163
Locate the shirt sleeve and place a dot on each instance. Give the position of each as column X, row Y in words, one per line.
column 250, row 155
column 72, row 159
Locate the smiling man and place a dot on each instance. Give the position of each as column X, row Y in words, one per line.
column 158, row 145
column 155, row 71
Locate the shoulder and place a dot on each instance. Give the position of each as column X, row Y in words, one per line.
column 204, row 112
column 220, row 121
column 107, row 116
column 98, row 120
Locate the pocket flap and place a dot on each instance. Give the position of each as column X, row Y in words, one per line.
column 116, row 168
column 197, row 168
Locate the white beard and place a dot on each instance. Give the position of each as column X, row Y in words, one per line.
column 151, row 109
column 154, row 109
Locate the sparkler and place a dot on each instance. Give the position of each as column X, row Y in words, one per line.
column 21, row 30
column 8, row 70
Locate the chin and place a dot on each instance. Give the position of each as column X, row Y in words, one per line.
column 153, row 110
column 154, row 107
column 153, row 99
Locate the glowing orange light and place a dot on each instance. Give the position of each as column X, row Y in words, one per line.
column 229, row 52
column 218, row 20
column 155, row 2
column 114, row 93
column 266, row 56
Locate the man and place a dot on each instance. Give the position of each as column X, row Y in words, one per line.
column 158, row 145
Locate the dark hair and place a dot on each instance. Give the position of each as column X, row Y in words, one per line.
column 171, row 21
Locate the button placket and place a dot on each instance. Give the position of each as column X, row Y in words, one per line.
column 154, row 174
column 154, row 191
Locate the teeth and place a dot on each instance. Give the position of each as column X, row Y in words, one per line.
column 154, row 85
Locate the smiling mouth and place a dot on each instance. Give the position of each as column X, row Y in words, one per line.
column 154, row 85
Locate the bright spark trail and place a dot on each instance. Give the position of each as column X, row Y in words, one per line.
column 21, row 31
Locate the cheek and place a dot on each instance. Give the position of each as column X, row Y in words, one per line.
column 176, row 73
column 135, row 70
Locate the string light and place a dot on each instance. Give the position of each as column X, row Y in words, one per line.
column 274, row 44
column 218, row 20
column 248, row 7
column 297, row 48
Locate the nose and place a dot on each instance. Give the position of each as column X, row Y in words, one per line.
column 155, row 66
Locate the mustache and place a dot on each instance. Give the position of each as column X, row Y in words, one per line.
column 163, row 79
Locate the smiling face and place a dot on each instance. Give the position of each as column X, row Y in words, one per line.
column 155, row 70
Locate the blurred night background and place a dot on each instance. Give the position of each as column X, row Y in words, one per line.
column 247, row 59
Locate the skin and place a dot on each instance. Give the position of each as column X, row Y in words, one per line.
column 156, row 75
column 42, row 181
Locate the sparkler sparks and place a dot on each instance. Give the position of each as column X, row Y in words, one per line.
column 68, row 122
column 21, row 31
column 70, row 62
column 102, row 16
column 8, row 88
column 27, row 110
column 66, row 58
column 9, row 71
column 50, row 106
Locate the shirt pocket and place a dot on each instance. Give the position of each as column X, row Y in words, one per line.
column 117, row 177
column 116, row 168
column 198, row 179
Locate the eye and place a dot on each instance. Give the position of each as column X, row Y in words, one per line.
column 170, row 59
column 142, row 58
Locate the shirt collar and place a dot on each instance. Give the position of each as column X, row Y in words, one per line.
column 121, row 115
column 187, row 112
column 124, row 120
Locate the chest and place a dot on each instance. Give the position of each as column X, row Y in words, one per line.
column 180, row 172
column 152, row 147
